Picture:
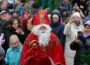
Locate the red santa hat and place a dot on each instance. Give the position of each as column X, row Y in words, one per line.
column 41, row 17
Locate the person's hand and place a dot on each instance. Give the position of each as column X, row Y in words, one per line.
column 81, row 7
column 77, row 40
column 20, row 31
column 71, row 20
column 25, row 16
column 17, row 31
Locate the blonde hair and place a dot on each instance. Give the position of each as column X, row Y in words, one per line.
column 14, row 39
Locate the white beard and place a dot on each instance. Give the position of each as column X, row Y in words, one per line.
column 44, row 38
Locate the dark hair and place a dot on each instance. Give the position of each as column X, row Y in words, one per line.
column 19, row 23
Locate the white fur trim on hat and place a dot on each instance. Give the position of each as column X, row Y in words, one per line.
column 76, row 14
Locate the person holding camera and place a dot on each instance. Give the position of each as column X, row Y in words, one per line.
column 82, row 44
column 71, row 32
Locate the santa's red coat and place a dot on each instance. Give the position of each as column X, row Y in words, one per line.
column 53, row 50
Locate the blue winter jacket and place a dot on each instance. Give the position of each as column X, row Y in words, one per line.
column 13, row 56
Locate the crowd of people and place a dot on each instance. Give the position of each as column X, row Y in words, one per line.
column 33, row 35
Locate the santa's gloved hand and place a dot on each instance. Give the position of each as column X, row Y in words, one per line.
column 2, row 40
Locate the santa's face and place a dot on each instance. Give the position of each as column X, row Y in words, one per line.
column 42, row 29
column 44, row 36
column 43, row 33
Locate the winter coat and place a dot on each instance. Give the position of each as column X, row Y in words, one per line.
column 5, row 29
column 2, row 62
column 71, row 32
column 80, row 48
column 58, row 28
column 20, row 36
column 2, row 53
column 13, row 56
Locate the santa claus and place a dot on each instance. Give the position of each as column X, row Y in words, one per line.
column 42, row 47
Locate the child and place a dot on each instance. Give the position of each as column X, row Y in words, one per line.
column 14, row 52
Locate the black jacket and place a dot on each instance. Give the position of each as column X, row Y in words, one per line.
column 21, row 37
column 2, row 62
column 5, row 29
column 81, row 49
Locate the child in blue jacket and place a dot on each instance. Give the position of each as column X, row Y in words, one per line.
column 13, row 53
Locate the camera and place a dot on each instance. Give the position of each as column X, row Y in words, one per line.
column 80, row 35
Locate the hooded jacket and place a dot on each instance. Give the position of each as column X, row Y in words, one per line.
column 58, row 27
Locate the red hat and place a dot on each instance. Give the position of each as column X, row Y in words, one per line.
column 41, row 17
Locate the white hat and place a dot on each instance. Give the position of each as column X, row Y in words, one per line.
column 76, row 14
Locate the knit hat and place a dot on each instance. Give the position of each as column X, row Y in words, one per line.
column 76, row 14
column 87, row 23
